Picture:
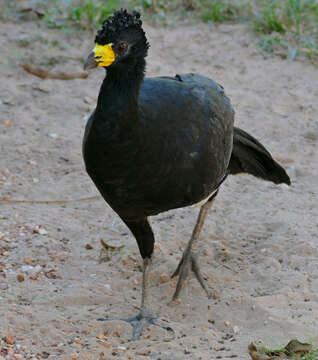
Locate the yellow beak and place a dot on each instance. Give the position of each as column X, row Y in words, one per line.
column 102, row 55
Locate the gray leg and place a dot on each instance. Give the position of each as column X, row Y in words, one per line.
column 144, row 317
column 189, row 261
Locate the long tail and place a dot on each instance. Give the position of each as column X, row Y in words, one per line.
column 250, row 156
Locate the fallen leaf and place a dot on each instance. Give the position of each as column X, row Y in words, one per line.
column 107, row 246
column 293, row 350
column 105, row 344
column 8, row 123
column 101, row 337
column 295, row 346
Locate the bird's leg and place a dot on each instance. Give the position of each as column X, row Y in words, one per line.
column 189, row 260
column 144, row 317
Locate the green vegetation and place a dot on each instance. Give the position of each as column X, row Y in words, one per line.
column 92, row 13
column 220, row 11
column 294, row 350
column 287, row 28
column 313, row 355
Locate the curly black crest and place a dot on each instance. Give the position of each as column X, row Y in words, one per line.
column 121, row 20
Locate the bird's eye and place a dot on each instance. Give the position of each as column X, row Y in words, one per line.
column 122, row 47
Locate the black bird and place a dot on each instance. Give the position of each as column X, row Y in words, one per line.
column 157, row 144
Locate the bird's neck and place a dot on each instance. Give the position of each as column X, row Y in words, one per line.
column 119, row 92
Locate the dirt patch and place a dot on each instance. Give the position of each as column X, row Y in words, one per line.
column 258, row 250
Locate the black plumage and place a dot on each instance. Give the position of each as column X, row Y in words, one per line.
column 157, row 144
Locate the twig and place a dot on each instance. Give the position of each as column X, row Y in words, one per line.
column 309, row 51
column 45, row 74
column 13, row 201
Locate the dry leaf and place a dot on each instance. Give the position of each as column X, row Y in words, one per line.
column 105, row 344
column 296, row 347
column 293, row 350
column 107, row 246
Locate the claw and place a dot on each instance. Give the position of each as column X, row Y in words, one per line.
column 138, row 322
column 188, row 261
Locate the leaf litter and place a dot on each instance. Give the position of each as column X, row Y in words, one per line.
column 294, row 350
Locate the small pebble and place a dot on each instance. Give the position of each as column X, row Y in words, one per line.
column 20, row 277
column 10, row 339
column 53, row 136
column 164, row 278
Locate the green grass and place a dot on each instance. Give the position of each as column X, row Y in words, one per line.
column 288, row 28
column 313, row 355
column 222, row 11
column 92, row 13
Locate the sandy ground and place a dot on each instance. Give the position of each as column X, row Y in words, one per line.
column 259, row 247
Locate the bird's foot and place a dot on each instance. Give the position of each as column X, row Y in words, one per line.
column 138, row 322
column 188, row 262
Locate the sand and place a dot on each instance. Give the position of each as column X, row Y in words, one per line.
column 258, row 249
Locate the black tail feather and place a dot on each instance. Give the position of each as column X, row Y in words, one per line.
column 250, row 156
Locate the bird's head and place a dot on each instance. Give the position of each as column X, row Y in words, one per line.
column 120, row 41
